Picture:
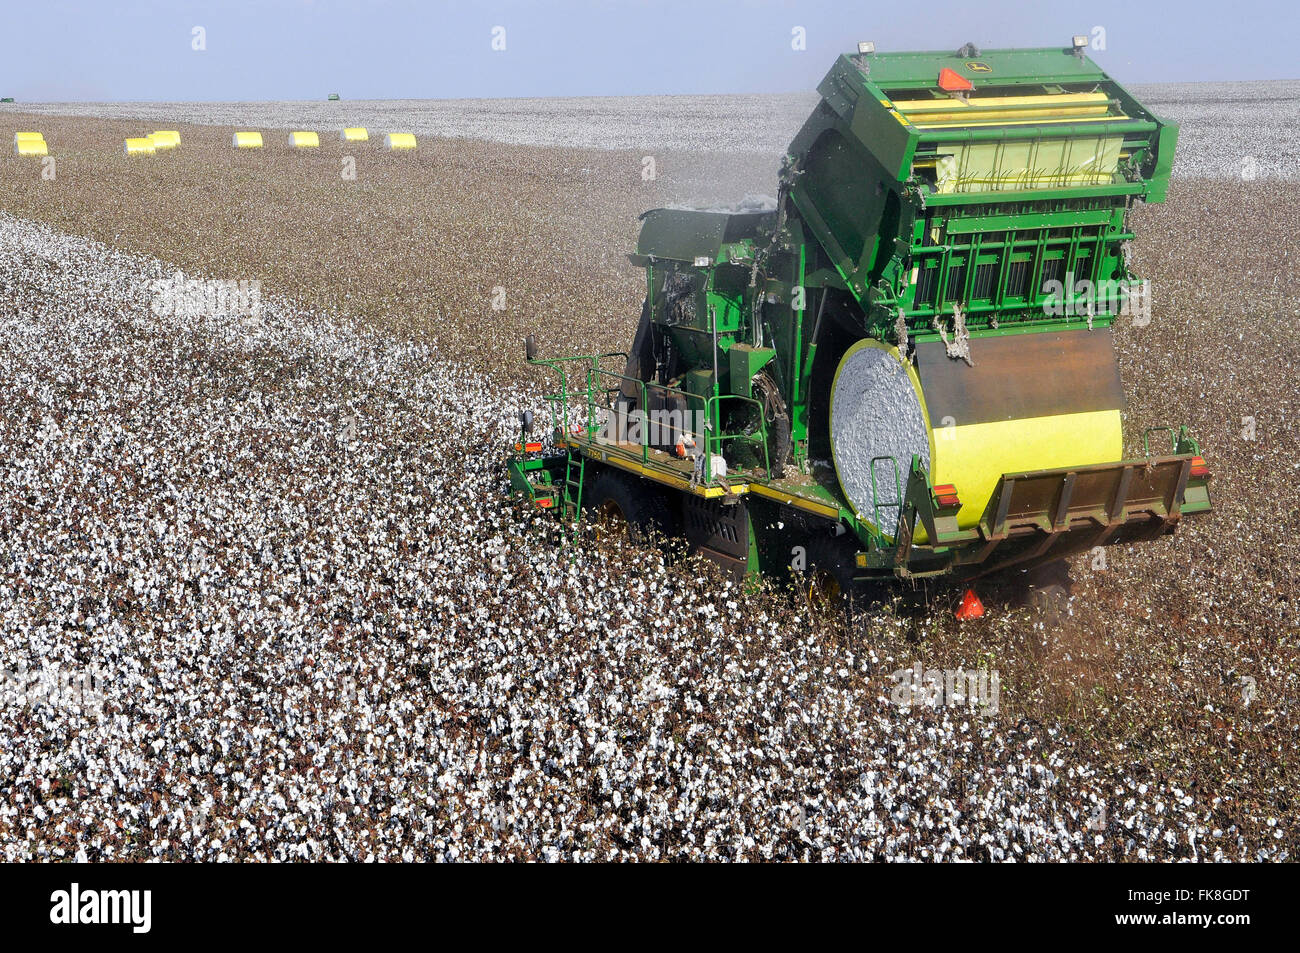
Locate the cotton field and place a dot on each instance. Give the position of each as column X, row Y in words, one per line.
column 316, row 631
column 1227, row 128
column 263, row 594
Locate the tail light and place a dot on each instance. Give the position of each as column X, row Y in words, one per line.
column 1199, row 470
column 946, row 495
column 528, row 448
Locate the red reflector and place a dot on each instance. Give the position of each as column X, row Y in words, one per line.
column 946, row 495
column 971, row 607
column 1199, row 470
column 951, row 82
column 545, row 502
column 533, row 447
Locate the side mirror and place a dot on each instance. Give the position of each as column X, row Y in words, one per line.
column 530, row 347
column 526, row 421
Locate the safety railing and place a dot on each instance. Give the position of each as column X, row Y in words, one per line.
column 1146, row 439
column 1180, row 440
column 759, row 440
column 598, row 394
column 647, row 425
column 559, row 402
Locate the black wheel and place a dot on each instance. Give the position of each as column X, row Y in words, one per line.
column 827, row 577
column 745, row 419
column 779, row 442
column 621, row 505
column 1048, row 587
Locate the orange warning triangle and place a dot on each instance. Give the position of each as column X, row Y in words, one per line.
column 971, row 607
column 953, row 82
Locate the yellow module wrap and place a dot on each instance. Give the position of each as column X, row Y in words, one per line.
column 30, row 144
column 1031, row 401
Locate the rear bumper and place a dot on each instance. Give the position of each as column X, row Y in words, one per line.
column 1047, row 514
column 1044, row 515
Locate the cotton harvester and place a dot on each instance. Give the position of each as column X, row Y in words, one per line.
column 906, row 367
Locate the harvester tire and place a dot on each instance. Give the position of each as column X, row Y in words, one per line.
column 627, row 505
column 829, row 576
column 1048, row 587
column 777, row 418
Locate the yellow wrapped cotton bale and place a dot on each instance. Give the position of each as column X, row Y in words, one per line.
column 247, row 140
column 397, row 141
column 166, row 139
column 304, row 140
column 355, row 134
column 964, row 423
column 140, row 147
column 29, row 144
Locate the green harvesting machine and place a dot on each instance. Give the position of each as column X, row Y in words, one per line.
column 905, row 365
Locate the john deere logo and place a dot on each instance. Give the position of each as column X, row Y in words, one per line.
column 979, row 67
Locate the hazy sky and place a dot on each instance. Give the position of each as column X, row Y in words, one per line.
column 376, row 49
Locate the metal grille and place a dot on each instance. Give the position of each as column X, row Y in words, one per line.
column 1039, row 256
column 956, row 281
column 1017, row 284
column 985, row 275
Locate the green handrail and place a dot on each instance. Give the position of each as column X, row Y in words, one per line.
column 644, row 388
column 1146, row 437
column 559, row 403
column 875, row 494
column 719, row 438
column 560, row 415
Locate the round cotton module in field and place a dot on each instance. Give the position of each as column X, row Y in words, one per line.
column 29, row 144
column 398, row 141
column 304, row 140
column 139, row 147
column 247, row 140
column 166, row 139
column 356, row 134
